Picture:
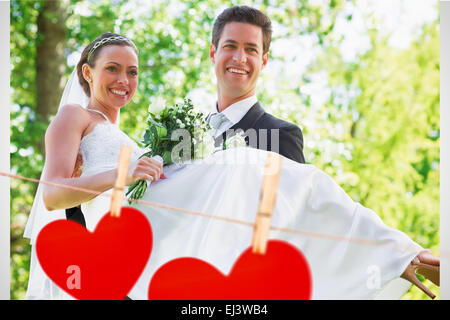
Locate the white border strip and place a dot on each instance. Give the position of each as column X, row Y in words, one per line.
column 4, row 154
column 445, row 148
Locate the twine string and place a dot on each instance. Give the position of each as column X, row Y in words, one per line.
column 360, row 241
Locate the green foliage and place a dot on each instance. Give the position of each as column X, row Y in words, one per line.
column 25, row 133
column 386, row 143
column 377, row 134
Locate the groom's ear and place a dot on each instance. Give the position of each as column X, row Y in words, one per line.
column 265, row 59
column 212, row 52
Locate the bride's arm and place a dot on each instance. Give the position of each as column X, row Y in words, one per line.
column 62, row 142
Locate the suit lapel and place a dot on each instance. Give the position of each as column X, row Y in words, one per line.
column 250, row 118
column 248, row 121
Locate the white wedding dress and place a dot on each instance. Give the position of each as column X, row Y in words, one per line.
column 332, row 227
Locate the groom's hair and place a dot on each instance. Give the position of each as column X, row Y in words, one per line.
column 89, row 57
column 243, row 14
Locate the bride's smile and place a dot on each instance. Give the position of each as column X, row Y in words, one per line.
column 119, row 92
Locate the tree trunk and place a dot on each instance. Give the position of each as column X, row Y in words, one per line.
column 50, row 60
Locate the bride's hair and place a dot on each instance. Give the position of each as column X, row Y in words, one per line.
column 90, row 54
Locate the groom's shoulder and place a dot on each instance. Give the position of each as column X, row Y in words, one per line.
column 269, row 121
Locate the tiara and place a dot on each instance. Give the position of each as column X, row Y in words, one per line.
column 106, row 40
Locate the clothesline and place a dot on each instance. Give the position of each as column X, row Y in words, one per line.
column 360, row 241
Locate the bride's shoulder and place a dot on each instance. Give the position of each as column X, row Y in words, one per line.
column 73, row 110
column 71, row 116
column 72, row 113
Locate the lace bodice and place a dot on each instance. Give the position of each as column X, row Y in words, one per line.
column 100, row 148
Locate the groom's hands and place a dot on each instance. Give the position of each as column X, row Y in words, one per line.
column 431, row 272
column 145, row 169
column 426, row 264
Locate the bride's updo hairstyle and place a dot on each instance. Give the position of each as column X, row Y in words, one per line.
column 91, row 52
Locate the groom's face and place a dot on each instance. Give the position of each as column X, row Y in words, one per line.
column 238, row 59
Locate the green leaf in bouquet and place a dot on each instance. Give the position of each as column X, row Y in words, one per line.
column 154, row 130
column 163, row 113
column 147, row 138
column 161, row 131
column 167, row 157
column 147, row 154
column 153, row 134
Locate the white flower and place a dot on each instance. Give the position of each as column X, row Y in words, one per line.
column 205, row 148
column 158, row 105
column 238, row 140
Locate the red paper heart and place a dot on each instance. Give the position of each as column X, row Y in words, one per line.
column 281, row 274
column 104, row 264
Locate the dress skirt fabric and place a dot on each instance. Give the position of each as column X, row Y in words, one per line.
column 352, row 254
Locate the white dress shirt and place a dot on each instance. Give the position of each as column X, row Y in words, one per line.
column 234, row 114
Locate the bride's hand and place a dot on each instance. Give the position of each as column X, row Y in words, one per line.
column 145, row 169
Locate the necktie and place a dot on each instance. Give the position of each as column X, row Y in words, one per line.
column 217, row 119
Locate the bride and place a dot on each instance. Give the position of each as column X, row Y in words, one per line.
column 82, row 147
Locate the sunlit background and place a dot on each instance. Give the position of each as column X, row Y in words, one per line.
column 361, row 78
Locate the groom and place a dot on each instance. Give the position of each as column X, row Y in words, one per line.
column 240, row 50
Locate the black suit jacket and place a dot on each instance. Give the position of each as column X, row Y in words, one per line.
column 269, row 133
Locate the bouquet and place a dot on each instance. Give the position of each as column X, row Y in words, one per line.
column 162, row 138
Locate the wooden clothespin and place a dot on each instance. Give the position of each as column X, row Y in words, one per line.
column 267, row 200
column 119, row 185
